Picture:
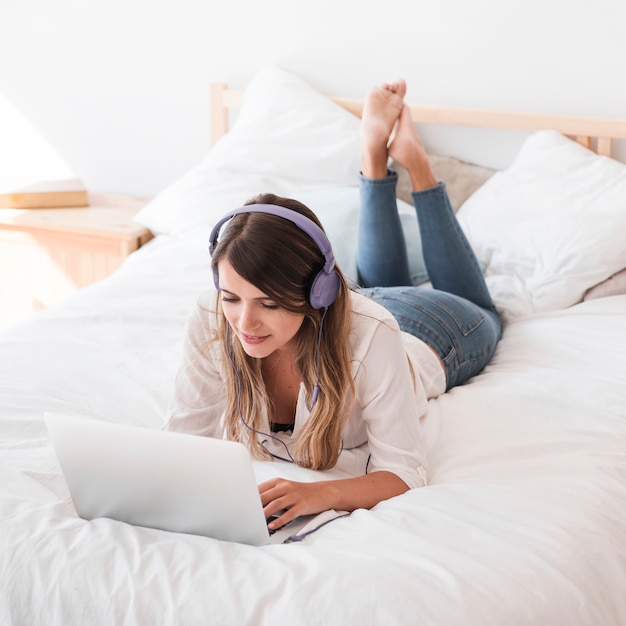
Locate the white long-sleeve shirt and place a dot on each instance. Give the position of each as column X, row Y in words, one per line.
column 390, row 398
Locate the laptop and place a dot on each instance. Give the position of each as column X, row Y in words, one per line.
column 165, row 480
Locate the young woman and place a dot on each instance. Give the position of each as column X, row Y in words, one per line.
column 289, row 360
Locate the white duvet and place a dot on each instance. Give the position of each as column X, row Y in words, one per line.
column 523, row 522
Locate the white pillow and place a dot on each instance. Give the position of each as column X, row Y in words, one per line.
column 550, row 226
column 287, row 137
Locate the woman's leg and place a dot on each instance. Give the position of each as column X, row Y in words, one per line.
column 381, row 255
column 457, row 318
column 448, row 256
column 381, row 252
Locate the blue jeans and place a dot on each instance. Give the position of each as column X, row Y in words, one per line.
column 457, row 317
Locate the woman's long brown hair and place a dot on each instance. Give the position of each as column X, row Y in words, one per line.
column 280, row 259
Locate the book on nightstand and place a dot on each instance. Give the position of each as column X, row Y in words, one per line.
column 46, row 194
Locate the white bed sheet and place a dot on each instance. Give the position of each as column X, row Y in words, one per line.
column 522, row 522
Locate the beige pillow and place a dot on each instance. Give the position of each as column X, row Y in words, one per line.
column 613, row 286
column 462, row 179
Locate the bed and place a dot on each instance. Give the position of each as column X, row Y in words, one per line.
column 523, row 519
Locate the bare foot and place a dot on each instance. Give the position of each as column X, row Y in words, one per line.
column 407, row 149
column 381, row 110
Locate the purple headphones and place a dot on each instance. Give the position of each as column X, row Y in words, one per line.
column 325, row 284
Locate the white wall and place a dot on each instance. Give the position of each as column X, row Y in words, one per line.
column 120, row 88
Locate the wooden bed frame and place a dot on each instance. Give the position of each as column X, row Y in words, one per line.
column 594, row 133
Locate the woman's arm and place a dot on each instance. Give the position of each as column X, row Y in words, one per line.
column 348, row 494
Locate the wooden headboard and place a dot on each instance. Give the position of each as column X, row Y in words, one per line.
column 591, row 132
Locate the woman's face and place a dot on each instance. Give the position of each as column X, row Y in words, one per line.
column 260, row 324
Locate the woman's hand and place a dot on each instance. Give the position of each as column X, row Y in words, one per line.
column 294, row 499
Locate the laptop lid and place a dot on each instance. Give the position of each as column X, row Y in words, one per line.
column 159, row 479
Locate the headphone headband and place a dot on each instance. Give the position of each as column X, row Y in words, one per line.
column 325, row 284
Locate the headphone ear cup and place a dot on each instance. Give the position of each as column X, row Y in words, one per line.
column 324, row 289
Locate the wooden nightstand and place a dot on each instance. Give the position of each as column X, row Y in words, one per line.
column 47, row 254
